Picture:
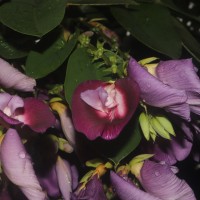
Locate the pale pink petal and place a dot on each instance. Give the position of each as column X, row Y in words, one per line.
column 10, row 77
column 64, row 178
column 17, row 166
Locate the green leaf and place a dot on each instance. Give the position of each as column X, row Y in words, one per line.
column 123, row 145
column 32, row 17
column 152, row 25
column 81, row 68
column 189, row 41
column 145, row 125
column 99, row 2
column 39, row 65
column 8, row 51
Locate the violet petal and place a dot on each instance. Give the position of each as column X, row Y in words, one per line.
column 156, row 93
column 179, row 74
column 158, row 180
column 10, row 77
column 17, row 166
column 127, row 191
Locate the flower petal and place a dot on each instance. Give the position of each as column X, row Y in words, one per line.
column 64, row 177
column 160, row 181
column 93, row 190
column 49, row 183
column 37, row 115
column 93, row 122
column 10, row 77
column 179, row 74
column 127, row 191
column 153, row 91
column 18, row 167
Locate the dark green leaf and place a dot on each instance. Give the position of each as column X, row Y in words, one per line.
column 32, row 17
column 81, row 68
column 118, row 149
column 170, row 4
column 9, row 51
column 152, row 25
column 99, row 2
column 39, row 65
column 189, row 42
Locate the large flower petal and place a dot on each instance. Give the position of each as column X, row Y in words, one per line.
column 159, row 180
column 93, row 122
column 37, row 115
column 10, row 77
column 17, row 166
column 128, row 191
column 156, row 93
column 179, row 74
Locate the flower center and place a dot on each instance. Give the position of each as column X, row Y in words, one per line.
column 102, row 99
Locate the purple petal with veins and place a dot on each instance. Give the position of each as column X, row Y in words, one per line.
column 64, row 178
column 156, row 93
column 37, row 115
column 102, row 109
column 128, row 191
column 10, row 77
column 179, row 74
column 159, row 180
column 17, row 166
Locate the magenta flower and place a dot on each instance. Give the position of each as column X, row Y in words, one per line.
column 30, row 111
column 102, row 109
column 17, row 166
column 176, row 86
column 158, row 181
column 10, row 77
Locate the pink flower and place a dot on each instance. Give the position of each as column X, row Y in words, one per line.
column 30, row 111
column 102, row 109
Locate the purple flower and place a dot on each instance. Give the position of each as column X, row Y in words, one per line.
column 102, row 109
column 17, row 166
column 176, row 149
column 10, row 77
column 176, row 86
column 92, row 190
column 49, row 183
column 158, row 181
column 30, row 111
column 126, row 190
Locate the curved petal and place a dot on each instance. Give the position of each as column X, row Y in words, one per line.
column 156, row 93
column 159, row 180
column 10, row 77
column 93, row 190
column 153, row 91
column 37, row 115
column 93, row 122
column 17, row 166
column 179, row 74
column 128, row 191
column 64, row 178
column 49, row 183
